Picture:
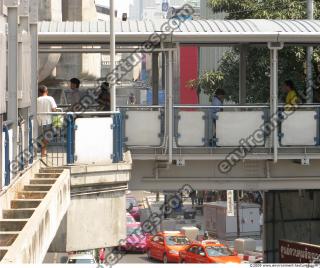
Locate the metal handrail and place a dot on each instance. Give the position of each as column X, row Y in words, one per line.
column 141, row 106
column 79, row 113
column 218, row 106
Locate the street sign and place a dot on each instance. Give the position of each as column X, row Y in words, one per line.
column 165, row 6
column 297, row 252
column 230, row 203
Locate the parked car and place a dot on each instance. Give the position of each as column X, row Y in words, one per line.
column 136, row 240
column 81, row 259
column 165, row 246
column 130, row 219
column 208, row 251
column 133, row 207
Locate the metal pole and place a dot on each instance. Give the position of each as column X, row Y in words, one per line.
column 238, row 216
column 170, row 106
column 112, row 58
column 243, row 75
column 274, row 101
column 12, row 112
column 309, row 57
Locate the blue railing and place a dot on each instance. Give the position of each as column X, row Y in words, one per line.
column 6, row 156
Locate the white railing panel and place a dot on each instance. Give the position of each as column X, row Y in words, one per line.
column 300, row 128
column 143, row 128
column 191, row 128
column 93, row 140
column 232, row 126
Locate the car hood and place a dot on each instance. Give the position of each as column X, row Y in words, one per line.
column 226, row 259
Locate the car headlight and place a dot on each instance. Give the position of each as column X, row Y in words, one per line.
column 172, row 251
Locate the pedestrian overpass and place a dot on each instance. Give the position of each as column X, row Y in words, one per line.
column 256, row 146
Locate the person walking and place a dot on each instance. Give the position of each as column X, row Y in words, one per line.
column 45, row 104
column 102, row 255
column 75, row 92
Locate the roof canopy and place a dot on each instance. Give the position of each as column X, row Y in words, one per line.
column 190, row 31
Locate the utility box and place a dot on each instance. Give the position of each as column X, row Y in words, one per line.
column 190, row 232
column 242, row 245
column 222, row 226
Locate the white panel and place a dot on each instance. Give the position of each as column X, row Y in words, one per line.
column 300, row 128
column 191, row 128
column 231, row 126
column 143, row 128
column 3, row 73
column 93, row 140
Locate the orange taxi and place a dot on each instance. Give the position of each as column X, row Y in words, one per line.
column 208, row 251
column 165, row 246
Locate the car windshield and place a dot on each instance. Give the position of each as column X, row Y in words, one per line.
column 130, row 219
column 134, row 231
column 81, row 261
column 218, row 251
column 177, row 240
column 131, row 201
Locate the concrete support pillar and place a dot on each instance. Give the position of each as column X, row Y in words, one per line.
column 12, row 110
column 155, row 78
column 243, row 74
column 34, row 63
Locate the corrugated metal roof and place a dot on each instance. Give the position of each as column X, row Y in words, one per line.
column 190, row 31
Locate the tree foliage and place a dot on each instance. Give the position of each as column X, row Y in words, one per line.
column 291, row 59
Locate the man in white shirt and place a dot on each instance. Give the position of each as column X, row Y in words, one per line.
column 45, row 104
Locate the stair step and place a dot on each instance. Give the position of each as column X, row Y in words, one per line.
column 7, row 238
column 17, row 213
column 3, row 251
column 47, row 175
column 31, row 195
column 50, row 170
column 37, row 187
column 42, row 181
column 25, row 203
column 9, row 225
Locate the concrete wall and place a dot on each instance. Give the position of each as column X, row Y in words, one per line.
column 290, row 215
column 79, row 65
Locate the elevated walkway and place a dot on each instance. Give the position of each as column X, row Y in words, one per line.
column 31, row 211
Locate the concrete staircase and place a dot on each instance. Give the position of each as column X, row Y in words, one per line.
column 33, row 214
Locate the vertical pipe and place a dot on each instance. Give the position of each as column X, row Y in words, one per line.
column 34, row 76
column 238, row 212
column 170, row 106
column 112, row 58
column 12, row 110
column 274, row 101
column 7, row 174
column 243, row 75
column 265, row 229
column 309, row 57
column 70, row 137
column 31, row 148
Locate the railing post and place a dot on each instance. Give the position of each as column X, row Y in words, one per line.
column 6, row 156
column 115, row 157
column 30, row 141
column 21, row 159
column 70, row 139
column 120, row 138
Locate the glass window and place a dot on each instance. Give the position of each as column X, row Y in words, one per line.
column 177, row 240
column 193, row 249
column 134, row 231
column 218, row 251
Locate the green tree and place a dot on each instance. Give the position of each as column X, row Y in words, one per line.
column 291, row 59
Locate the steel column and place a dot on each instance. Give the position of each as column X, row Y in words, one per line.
column 170, row 106
column 155, row 78
column 112, row 58
column 243, row 75
column 309, row 58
